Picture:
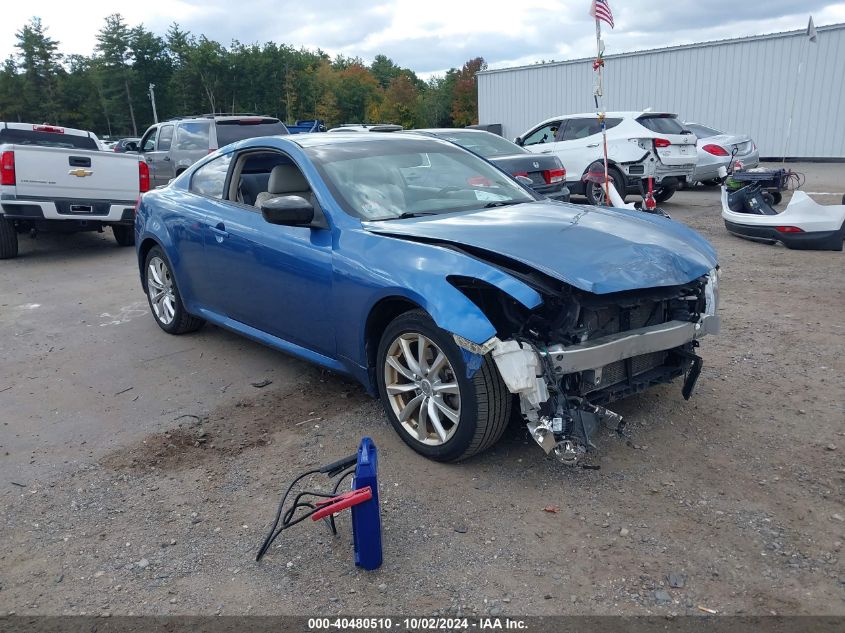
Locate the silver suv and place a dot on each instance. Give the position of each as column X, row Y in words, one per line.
column 170, row 147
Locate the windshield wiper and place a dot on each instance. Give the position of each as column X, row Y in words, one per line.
column 413, row 214
column 501, row 203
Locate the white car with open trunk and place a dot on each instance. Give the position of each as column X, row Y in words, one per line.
column 639, row 145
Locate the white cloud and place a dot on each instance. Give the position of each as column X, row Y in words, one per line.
column 427, row 36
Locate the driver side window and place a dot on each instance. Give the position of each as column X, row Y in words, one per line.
column 149, row 142
column 544, row 134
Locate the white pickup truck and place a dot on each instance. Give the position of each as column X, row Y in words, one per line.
column 56, row 179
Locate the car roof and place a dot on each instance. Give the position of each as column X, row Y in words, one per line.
column 451, row 130
column 317, row 139
column 630, row 114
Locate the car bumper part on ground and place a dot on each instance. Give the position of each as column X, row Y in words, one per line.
column 807, row 240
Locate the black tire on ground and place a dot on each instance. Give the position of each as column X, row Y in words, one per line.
column 182, row 322
column 662, row 194
column 711, row 183
column 485, row 402
column 595, row 193
column 124, row 234
column 8, row 239
column 769, row 199
column 777, row 196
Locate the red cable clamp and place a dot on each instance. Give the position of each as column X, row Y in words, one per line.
column 346, row 500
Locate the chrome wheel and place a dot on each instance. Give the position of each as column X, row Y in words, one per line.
column 598, row 194
column 422, row 389
column 161, row 290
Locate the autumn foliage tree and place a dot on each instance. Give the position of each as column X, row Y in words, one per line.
column 107, row 91
column 465, row 99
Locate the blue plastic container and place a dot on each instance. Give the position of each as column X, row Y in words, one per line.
column 366, row 517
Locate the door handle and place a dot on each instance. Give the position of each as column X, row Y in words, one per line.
column 219, row 230
column 167, row 158
column 593, row 145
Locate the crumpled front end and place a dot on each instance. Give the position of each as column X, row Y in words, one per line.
column 580, row 351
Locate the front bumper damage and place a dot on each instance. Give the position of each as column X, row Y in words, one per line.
column 562, row 387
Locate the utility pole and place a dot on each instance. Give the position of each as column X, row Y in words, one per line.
column 153, row 101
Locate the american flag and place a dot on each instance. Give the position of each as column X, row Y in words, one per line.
column 600, row 10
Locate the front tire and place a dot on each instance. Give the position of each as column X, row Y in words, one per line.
column 163, row 296
column 436, row 409
column 8, row 239
column 124, row 235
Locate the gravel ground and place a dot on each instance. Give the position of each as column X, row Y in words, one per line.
column 139, row 472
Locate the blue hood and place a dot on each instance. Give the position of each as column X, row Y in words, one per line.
column 595, row 249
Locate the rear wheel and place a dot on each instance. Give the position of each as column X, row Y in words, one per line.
column 124, row 234
column 662, row 194
column 595, row 190
column 436, row 409
column 164, row 298
column 8, row 239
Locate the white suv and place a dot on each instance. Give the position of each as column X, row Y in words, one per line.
column 639, row 145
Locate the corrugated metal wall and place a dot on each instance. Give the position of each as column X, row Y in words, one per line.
column 745, row 85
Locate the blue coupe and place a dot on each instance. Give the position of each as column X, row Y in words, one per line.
column 453, row 304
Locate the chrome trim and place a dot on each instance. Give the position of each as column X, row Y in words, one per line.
column 609, row 349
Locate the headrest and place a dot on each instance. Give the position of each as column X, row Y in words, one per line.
column 287, row 179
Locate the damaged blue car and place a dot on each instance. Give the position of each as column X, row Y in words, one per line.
column 453, row 304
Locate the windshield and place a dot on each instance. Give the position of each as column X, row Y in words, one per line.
column 391, row 178
column 483, row 143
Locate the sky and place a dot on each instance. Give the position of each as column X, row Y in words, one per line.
column 428, row 36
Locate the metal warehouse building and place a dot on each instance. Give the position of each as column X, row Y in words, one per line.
column 740, row 85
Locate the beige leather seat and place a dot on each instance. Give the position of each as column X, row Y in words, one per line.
column 285, row 180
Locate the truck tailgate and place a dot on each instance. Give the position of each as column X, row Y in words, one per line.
column 48, row 172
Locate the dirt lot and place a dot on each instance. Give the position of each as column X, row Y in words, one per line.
column 139, row 471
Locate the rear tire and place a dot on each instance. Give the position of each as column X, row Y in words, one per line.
column 8, row 239
column 480, row 406
column 124, row 235
column 662, row 194
column 163, row 296
column 595, row 191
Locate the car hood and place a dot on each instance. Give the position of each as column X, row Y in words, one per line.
column 595, row 249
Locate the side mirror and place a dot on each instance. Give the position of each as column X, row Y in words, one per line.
column 288, row 211
column 524, row 180
column 518, row 141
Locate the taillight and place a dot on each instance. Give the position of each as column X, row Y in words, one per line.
column 661, row 142
column 7, row 168
column 789, row 229
column 143, row 176
column 715, row 150
column 554, row 176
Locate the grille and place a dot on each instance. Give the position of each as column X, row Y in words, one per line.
column 615, row 372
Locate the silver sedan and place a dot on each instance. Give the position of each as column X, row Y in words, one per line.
column 715, row 149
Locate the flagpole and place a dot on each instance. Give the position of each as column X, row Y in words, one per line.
column 801, row 64
column 599, row 110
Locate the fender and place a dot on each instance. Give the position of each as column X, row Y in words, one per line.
column 416, row 272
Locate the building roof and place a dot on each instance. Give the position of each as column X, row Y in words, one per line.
column 649, row 51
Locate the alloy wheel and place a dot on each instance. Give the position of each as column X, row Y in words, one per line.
column 161, row 290
column 422, row 389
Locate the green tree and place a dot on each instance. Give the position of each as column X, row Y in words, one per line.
column 401, row 102
column 114, row 42
column 39, row 61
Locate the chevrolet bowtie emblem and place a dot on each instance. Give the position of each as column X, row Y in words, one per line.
column 80, row 173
